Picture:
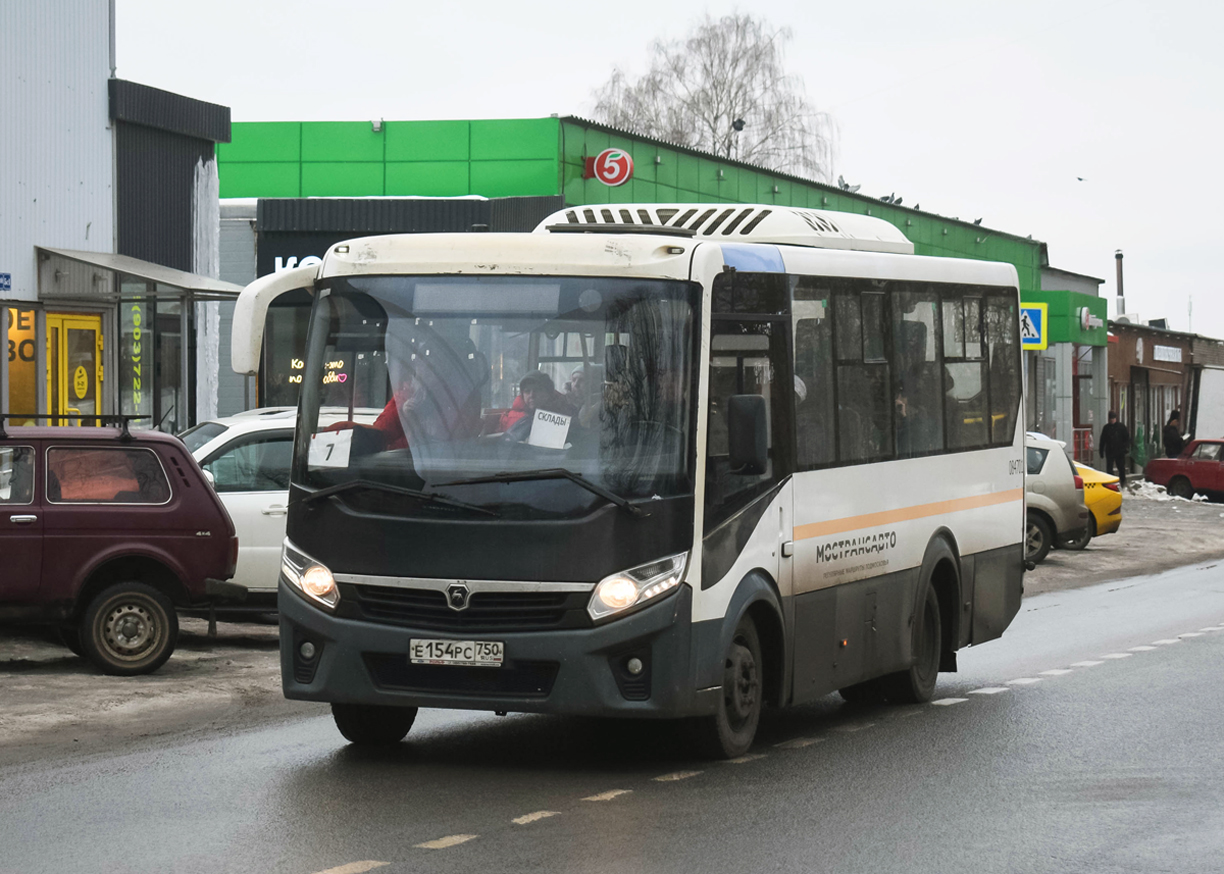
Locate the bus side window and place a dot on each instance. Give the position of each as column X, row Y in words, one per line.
column 918, row 383
column 1002, row 329
column 864, row 405
column 814, row 402
column 745, row 358
column 965, row 401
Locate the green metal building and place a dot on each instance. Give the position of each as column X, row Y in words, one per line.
column 497, row 158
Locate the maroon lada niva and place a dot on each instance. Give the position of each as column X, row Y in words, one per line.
column 103, row 533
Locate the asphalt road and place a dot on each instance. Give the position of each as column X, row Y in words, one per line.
column 1087, row 739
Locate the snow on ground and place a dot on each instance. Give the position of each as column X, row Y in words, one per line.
column 1152, row 492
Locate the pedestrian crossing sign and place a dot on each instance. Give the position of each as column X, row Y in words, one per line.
column 1034, row 319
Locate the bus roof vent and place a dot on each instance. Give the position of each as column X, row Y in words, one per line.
column 739, row 223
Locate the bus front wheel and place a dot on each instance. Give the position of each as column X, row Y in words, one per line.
column 373, row 725
column 729, row 732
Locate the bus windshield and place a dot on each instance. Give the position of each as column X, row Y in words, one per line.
column 537, row 378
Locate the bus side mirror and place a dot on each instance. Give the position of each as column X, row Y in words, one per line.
column 748, row 434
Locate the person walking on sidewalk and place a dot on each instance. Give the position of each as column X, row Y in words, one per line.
column 1115, row 443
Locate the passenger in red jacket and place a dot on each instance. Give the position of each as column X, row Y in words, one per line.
column 536, row 392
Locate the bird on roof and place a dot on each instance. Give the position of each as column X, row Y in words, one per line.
column 977, row 221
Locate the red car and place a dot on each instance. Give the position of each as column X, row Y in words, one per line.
column 103, row 533
column 1197, row 470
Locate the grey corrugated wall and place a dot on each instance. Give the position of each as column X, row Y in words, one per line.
column 237, row 266
column 56, row 150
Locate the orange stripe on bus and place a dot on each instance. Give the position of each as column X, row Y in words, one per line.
column 905, row 514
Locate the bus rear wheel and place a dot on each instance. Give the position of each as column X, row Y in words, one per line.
column 373, row 725
column 730, row 731
column 917, row 684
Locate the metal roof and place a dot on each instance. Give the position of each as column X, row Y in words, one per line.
column 152, row 107
column 865, row 199
column 149, row 271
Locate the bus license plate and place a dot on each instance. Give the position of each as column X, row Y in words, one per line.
column 474, row 653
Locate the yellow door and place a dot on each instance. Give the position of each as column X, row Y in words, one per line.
column 74, row 365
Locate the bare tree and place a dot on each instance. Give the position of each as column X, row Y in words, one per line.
column 724, row 89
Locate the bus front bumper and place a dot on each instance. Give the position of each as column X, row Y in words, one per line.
column 582, row 671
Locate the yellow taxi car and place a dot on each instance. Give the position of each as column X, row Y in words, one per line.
column 1104, row 500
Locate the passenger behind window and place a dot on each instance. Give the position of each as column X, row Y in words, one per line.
column 917, row 423
column 536, row 392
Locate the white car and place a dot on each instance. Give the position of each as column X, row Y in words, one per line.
column 248, row 457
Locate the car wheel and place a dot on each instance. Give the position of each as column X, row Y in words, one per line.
column 373, row 725
column 1180, row 487
column 729, row 732
column 1038, row 539
column 1085, row 537
column 917, row 684
column 71, row 638
column 129, row 629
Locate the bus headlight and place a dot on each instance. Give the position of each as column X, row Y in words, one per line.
column 308, row 576
column 636, row 586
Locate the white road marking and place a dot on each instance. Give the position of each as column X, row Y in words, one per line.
column 1213, row 628
column 799, row 743
column 609, row 795
column 1086, row 664
column 1118, row 655
column 989, row 690
column 1191, row 634
column 528, row 818
column 1142, row 648
column 355, row 868
column 1057, row 672
column 944, row 702
column 751, row 757
column 448, row 841
column 853, row 727
column 1024, row 681
column 1166, row 641
column 676, row 775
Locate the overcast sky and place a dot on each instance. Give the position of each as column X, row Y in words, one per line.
column 971, row 108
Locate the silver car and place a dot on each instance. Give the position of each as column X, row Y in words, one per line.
column 1055, row 496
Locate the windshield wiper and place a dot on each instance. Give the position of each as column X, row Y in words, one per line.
column 553, row 473
column 320, row 494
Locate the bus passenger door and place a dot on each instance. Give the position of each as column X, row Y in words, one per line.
column 748, row 515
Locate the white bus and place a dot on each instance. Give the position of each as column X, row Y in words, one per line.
column 656, row 460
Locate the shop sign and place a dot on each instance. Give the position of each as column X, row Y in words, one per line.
column 135, row 367
column 1034, row 325
column 80, row 382
column 1088, row 321
column 6, row 282
column 611, row 167
column 1167, row 353
column 22, row 362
